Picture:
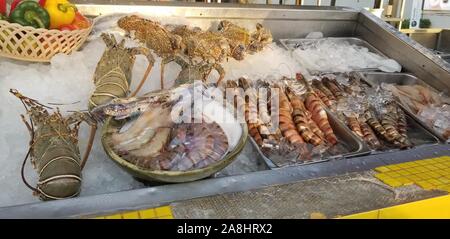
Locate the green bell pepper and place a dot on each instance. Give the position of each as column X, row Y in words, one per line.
column 30, row 13
column 3, row 17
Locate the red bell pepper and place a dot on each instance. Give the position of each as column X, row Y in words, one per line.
column 42, row 3
column 80, row 21
column 68, row 27
column 2, row 7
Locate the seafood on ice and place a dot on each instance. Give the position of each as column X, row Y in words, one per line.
column 428, row 105
column 241, row 41
column 371, row 114
column 175, row 130
column 206, row 49
column 54, row 150
column 285, row 119
column 112, row 77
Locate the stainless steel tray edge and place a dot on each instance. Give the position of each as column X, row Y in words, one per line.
column 363, row 147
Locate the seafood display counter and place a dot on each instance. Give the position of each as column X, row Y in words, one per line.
column 413, row 138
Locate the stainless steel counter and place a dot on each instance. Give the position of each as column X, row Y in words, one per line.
column 285, row 22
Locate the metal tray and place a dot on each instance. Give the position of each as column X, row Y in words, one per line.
column 292, row 44
column 376, row 78
column 417, row 132
column 347, row 142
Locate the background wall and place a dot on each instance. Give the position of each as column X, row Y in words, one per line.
column 438, row 20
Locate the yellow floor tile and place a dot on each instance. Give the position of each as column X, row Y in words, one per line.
column 405, row 181
column 431, row 167
column 433, row 174
column 382, row 169
column 393, row 167
column 443, row 172
column 393, row 174
column 165, row 217
column 415, row 170
column 404, row 172
column 435, row 182
column 421, row 162
column 148, row 213
column 440, row 166
column 163, row 211
column 444, row 188
column 443, row 159
column 393, row 183
column 403, row 165
column 415, row 178
column 444, row 180
column 382, row 176
column 421, row 169
column 425, row 185
column 412, row 164
column 160, row 212
column 131, row 215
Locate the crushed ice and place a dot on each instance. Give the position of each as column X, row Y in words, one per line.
column 331, row 55
column 68, row 80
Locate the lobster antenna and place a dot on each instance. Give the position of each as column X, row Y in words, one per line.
column 22, row 172
column 26, row 100
column 56, row 104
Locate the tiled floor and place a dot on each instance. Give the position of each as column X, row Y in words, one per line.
column 151, row 213
column 428, row 174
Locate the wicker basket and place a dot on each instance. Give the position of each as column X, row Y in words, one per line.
column 168, row 176
column 39, row 45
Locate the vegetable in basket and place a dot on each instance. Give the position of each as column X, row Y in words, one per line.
column 61, row 12
column 14, row 5
column 2, row 9
column 80, row 22
column 30, row 13
column 67, row 27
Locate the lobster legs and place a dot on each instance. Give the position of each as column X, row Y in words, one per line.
column 151, row 62
column 191, row 72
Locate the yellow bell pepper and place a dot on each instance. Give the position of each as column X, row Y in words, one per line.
column 61, row 12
